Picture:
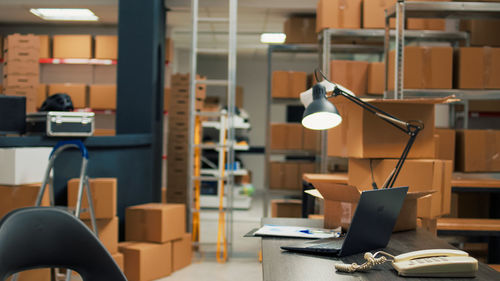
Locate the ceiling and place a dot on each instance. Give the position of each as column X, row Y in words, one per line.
column 254, row 17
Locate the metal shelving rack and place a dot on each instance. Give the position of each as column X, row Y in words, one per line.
column 448, row 10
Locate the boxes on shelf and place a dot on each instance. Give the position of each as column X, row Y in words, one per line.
column 286, row 136
column 310, row 139
column 425, row 24
column 376, row 78
column 106, row 47
column 182, row 252
column 19, row 81
column 102, row 96
column 146, row 261
column 155, row 222
column 300, row 29
column 353, row 75
column 288, row 175
column 363, row 135
column 31, row 94
column 482, row 32
column 21, row 41
column 338, row 14
column 478, row 68
column 77, row 92
column 44, row 47
column 72, row 46
column 286, row 208
column 374, row 13
column 420, row 175
column 477, row 151
column 19, row 196
column 21, row 68
column 424, row 67
column 166, row 99
column 42, row 274
column 104, row 132
column 120, row 260
column 445, row 144
column 107, row 230
column 103, row 192
column 23, row 165
column 288, row 84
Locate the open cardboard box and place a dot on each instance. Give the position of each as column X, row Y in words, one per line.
column 340, row 202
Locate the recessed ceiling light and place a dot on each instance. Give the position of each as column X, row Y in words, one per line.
column 272, row 38
column 65, row 14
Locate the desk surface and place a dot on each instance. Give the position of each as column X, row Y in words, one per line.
column 282, row 265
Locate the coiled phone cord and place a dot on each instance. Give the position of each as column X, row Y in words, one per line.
column 371, row 261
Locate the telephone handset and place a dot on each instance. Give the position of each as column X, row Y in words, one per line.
column 436, row 263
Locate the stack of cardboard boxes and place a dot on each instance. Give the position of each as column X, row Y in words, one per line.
column 156, row 242
column 178, row 129
column 21, row 68
column 104, row 198
column 373, row 148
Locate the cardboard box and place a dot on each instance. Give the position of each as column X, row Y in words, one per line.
column 340, row 202
column 23, row 165
column 106, row 47
column 166, row 99
column 478, row 68
column 286, row 208
column 288, row 84
column 300, row 29
column 155, row 222
column 363, row 135
column 102, row 96
column 120, row 260
column 477, row 151
column 77, row 92
column 424, row 68
column 286, row 136
column 169, row 50
column 351, row 74
column 482, row 32
column 420, row 175
column 146, row 261
column 44, row 50
column 41, row 274
column 103, row 192
column 22, row 68
column 426, row 24
column 182, row 252
column 107, row 229
column 20, row 54
column 376, row 78
column 23, row 41
column 338, row 14
column 288, row 175
column 19, row 81
column 29, row 92
column 104, row 132
column 41, row 94
column 445, row 144
column 20, row 196
column 374, row 13
column 311, row 139
column 72, row 46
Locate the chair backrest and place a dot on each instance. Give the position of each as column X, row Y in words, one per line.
column 38, row 237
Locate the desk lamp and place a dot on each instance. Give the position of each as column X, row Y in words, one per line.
column 320, row 114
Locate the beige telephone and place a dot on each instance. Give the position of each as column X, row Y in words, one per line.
column 436, row 263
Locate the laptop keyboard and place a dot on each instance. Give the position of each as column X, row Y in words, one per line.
column 335, row 243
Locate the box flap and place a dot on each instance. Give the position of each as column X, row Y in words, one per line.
column 418, row 194
column 335, row 178
column 314, row 192
column 338, row 192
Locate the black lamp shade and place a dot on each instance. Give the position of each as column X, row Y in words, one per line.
column 320, row 114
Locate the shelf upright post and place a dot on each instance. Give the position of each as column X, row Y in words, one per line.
column 267, row 164
column 325, row 65
column 387, row 38
column 400, row 28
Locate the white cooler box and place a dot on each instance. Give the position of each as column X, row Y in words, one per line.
column 23, row 165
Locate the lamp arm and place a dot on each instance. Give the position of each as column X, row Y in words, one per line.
column 394, row 121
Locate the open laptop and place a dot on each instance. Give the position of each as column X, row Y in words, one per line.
column 370, row 229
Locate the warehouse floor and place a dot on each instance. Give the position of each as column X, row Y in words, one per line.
column 244, row 263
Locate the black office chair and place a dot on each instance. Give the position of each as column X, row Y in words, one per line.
column 39, row 237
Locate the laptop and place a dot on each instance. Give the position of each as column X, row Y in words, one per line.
column 371, row 226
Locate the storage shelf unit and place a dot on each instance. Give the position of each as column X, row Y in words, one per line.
column 79, row 61
column 448, row 10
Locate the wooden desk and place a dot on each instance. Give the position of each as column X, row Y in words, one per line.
column 281, row 265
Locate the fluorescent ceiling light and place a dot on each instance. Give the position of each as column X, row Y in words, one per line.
column 65, row 14
column 272, row 38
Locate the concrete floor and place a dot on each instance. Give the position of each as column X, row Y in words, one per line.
column 244, row 262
